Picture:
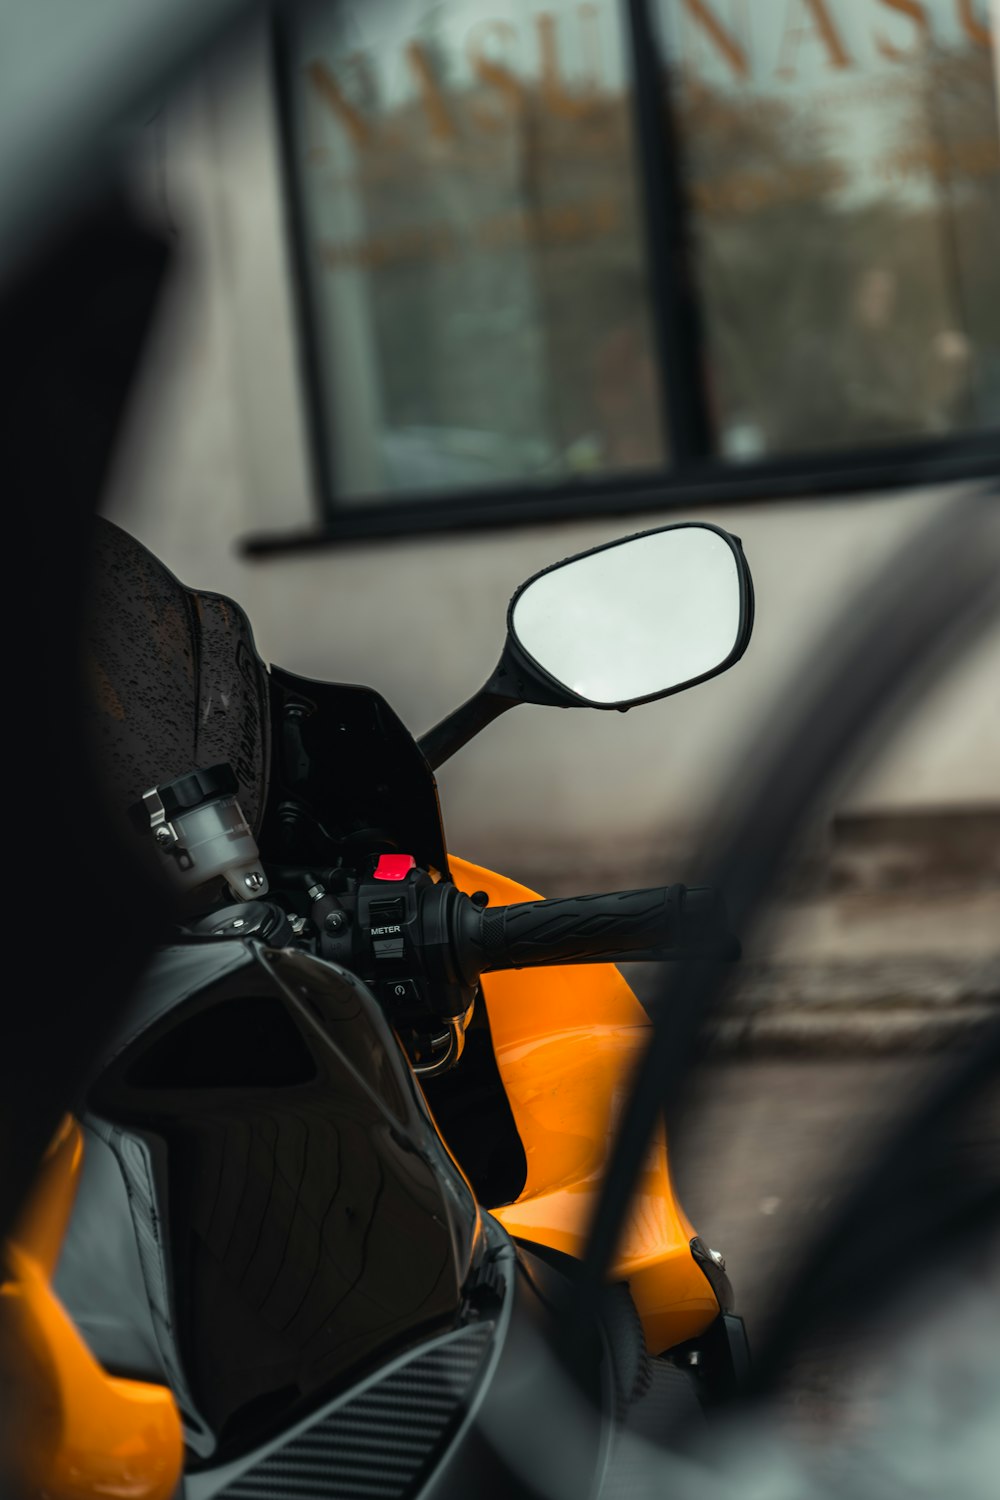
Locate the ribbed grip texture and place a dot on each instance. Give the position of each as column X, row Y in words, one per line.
column 544, row 932
column 380, row 1444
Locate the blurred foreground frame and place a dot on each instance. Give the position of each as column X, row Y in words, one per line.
column 912, row 1205
column 74, row 320
column 73, row 328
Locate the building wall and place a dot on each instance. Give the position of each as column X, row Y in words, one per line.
column 216, row 449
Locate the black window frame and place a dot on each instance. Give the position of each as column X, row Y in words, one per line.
column 693, row 477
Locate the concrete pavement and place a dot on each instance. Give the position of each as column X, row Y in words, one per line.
column 862, row 972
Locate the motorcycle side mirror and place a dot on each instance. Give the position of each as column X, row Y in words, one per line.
column 626, row 623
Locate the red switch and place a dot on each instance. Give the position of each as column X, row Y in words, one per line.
column 394, row 866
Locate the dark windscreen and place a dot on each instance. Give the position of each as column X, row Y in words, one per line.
column 176, row 682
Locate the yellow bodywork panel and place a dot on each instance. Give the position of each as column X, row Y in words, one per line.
column 567, row 1039
column 76, row 1432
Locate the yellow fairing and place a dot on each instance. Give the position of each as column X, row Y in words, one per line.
column 77, row 1432
column 566, row 1041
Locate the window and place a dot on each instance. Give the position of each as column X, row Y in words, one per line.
column 559, row 255
column 842, row 168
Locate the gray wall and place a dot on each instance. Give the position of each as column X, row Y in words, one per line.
column 216, row 449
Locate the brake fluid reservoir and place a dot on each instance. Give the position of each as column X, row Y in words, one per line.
column 199, row 827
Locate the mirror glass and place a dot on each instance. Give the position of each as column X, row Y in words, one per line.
column 636, row 619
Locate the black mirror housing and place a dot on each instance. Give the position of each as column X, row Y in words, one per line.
column 673, row 610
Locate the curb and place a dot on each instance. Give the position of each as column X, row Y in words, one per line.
column 849, row 1033
column 876, row 1007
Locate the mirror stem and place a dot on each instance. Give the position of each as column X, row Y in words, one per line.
column 440, row 743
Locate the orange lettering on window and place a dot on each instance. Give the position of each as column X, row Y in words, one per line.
column 727, row 45
column 491, row 72
column 917, row 14
column 977, row 31
column 332, row 94
column 823, row 30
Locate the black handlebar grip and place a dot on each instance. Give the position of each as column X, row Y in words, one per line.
column 608, row 926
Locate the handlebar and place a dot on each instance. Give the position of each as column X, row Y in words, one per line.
column 673, row 921
column 424, row 944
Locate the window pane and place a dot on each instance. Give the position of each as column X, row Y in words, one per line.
column 474, row 243
column 842, row 161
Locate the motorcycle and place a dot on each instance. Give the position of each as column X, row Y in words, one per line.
column 325, row 1192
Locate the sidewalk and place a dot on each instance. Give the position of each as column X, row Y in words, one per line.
column 871, row 972
column 884, row 939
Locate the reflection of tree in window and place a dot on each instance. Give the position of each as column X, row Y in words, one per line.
column 626, row 397
column 837, row 313
column 952, row 142
column 763, row 187
column 505, row 275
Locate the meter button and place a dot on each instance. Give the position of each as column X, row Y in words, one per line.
column 388, row 947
